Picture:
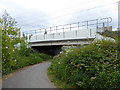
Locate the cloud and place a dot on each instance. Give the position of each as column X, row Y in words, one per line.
column 27, row 19
column 35, row 14
column 97, row 12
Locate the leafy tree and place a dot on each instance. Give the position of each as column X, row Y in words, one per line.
column 14, row 56
column 0, row 47
column 10, row 37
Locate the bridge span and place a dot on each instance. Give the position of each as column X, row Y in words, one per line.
column 51, row 40
column 75, row 37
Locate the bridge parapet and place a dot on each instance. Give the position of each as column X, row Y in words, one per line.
column 96, row 23
column 76, row 33
column 68, row 35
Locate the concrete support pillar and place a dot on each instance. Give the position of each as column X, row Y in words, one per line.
column 119, row 15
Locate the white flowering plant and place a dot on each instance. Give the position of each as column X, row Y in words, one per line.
column 16, row 52
column 93, row 66
column 10, row 36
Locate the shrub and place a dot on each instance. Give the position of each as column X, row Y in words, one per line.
column 10, row 37
column 94, row 66
column 12, row 57
column 112, row 34
column 30, row 57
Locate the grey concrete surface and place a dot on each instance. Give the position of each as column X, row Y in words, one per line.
column 32, row 77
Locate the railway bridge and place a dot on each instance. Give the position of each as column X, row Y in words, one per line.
column 50, row 40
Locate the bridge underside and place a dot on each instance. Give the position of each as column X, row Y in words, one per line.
column 50, row 50
column 55, row 47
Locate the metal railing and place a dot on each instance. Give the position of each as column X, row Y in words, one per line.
column 96, row 23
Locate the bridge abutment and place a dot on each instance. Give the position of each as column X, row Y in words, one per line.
column 50, row 50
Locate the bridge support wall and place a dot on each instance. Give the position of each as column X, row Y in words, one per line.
column 50, row 50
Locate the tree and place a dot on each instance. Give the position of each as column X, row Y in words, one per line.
column 0, row 48
column 10, row 37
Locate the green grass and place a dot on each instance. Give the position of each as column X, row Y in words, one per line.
column 58, row 83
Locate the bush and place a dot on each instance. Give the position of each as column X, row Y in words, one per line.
column 94, row 66
column 12, row 57
column 29, row 57
column 112, row 34
column 10, row 37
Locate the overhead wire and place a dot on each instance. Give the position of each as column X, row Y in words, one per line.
column 63, row 10
column 72, row 6
column 57, row 18
column 81, row 11
column 84, row 10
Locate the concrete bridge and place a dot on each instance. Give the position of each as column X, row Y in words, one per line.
column 50, row 40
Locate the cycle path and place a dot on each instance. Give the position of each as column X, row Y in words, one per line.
column 32, row 77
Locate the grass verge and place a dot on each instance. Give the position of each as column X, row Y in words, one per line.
column 56, row 82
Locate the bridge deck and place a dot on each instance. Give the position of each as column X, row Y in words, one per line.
column 64, row 38
column 68, row 35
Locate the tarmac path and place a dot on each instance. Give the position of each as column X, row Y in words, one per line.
column 32, row 77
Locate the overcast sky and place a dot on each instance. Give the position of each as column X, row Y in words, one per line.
column 36, row 14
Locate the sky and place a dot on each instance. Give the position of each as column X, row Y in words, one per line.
column 36, row 14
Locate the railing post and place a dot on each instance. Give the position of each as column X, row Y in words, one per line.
column 78, row 25
column 87, row 24
column 40, row 31
column 63, row 32
column 35, row 35
column 103, row 27
column 50, row 29
column 90, row 32
column 26, row 34
column 45, row 31
column 56, row 28
column 44, row 36
column 35, row 32
column 53, row 35
column 76, row 33
column 107, row 22
column 97, row 24
column 70, row 27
